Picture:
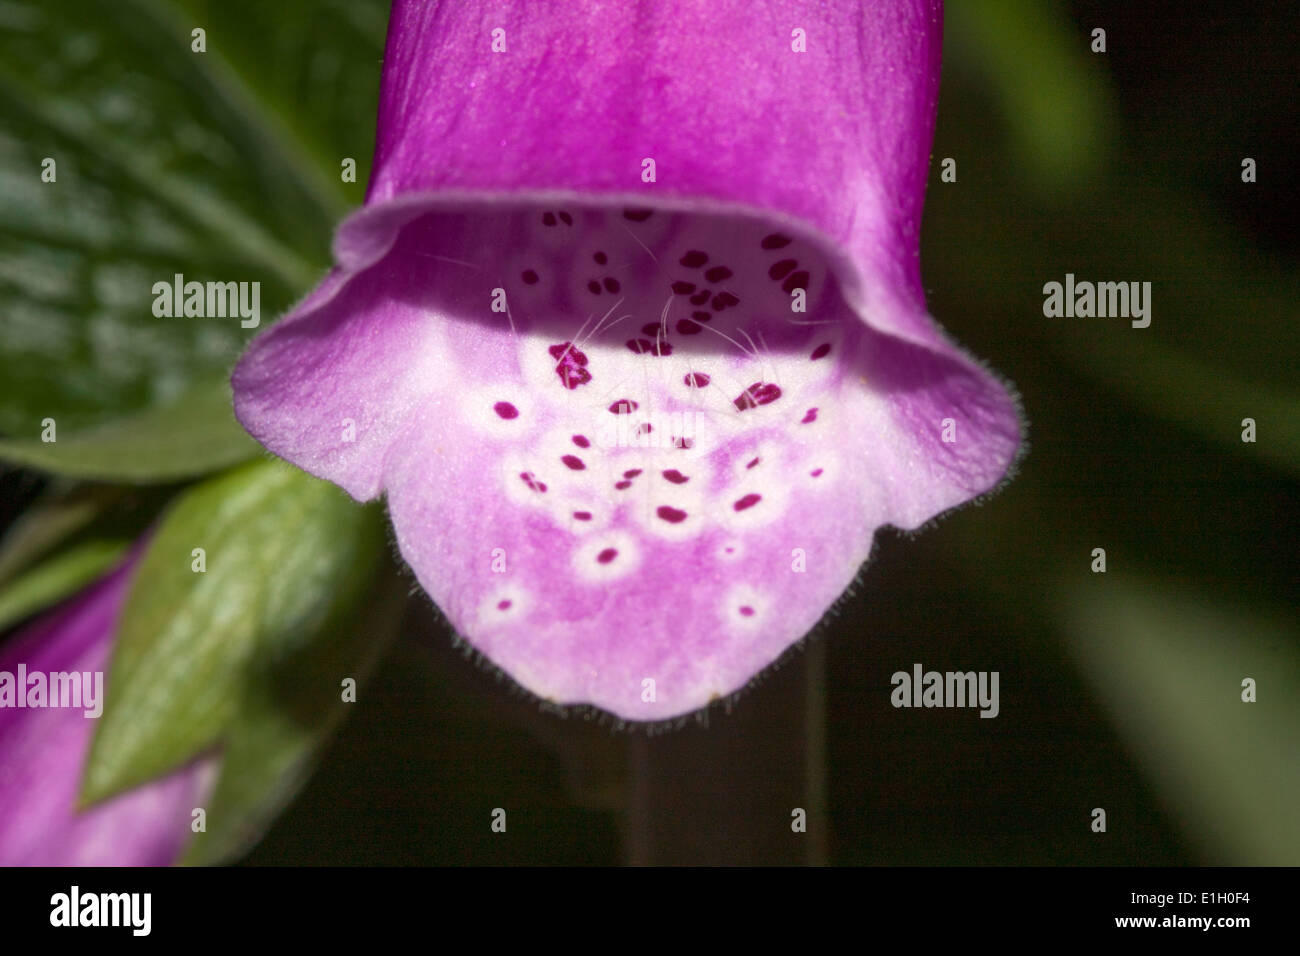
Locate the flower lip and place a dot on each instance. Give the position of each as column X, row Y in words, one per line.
column 811, row 432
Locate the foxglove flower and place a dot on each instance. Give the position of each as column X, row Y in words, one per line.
column 631, row 332
column 43, row 750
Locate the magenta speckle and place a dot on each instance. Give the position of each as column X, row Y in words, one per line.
column 574, row 462
column 676, row 477
column 760, row 393
column 747, row 502
column 505, row 410
column 670, row 514
column 696, row 379
column 570, row 365
column 821, row 351
column 608, row 555
column 809, row 416
column 581, row 441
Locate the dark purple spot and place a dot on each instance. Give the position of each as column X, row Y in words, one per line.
column 687, row 327
column 581, row 441
column 570, row 365
column 760, row 393
column 686, row 443
column 568, row 220
column 696, row 379
column 797, row 280
column 810, row 416
column 529, row 277
column 645, row 346
column 781, row 269
column 505, row 410
column 531, row 482
column 503, row 605
column 816, row 472
column 747, row 611
column 611, row 284
column 747, row 502
column 718, row 273
column 548, row 218
column 574, row 462
column 624, row 406
column 652, row 328
column 608, row 555
column 600, row 258
column 622, row 485
column 821, row 351
column 683, row 288
column 593, row 287
column 582, row 515
column 645, row 428
column 753, row 463
column 671, row 514
column 775, row 241
column 631, row 472
column 637, row 215
column 694, row 259
column 676, row 477
column 724, row 300
column 702, row 316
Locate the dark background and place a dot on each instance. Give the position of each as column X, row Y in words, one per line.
column 1119, row 690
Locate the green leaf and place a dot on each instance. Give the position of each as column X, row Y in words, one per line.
column 58, row 515
column 220, row 166
column 283, row 553
column 1033, row 60
column 291, row 706
column 1205, row 399
column 189, row 437
column 1169, row 663
column 57, row 578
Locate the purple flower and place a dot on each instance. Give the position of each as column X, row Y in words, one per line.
column 43, row 749
column 631, row 332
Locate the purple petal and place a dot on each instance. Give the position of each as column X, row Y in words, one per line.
column 42, row 751
column 650, row 468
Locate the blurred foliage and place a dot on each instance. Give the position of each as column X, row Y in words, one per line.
column 58, row 578
column 191, row 436
column 280, row 555
column 222, row 164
